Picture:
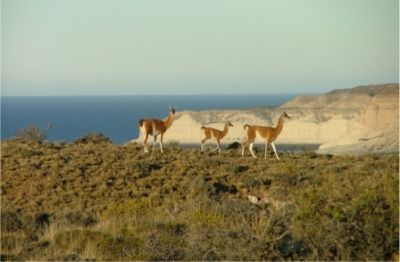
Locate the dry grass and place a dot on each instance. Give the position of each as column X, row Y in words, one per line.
column 92, row 200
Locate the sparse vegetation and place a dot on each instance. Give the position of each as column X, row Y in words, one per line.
column 31, row 133
column 92, row 200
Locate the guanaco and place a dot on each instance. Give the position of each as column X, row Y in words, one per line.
column 209, row 133
column 264, row 133
column 155, row 127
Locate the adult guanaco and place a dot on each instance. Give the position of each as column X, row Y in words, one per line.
column 209, row 133
column 155, row 127
column 264, row 133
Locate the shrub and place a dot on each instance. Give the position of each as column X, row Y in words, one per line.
column 350, row 217
column 31, row 133
column 239, row 168
column 93, row 138
column 234, row 145
column 174, row 144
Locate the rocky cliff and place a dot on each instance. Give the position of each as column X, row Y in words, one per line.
column 357, row 120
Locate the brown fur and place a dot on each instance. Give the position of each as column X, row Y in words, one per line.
column 266, row 133
column 218, row 135
column 155, row 127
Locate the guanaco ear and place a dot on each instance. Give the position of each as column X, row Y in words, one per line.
column 172, row 109
column 285, row 115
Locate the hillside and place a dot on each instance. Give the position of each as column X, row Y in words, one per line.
column 92, row 200
column 355, row 98
column 359, row 120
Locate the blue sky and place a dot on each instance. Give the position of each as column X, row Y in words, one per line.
column 117, row 47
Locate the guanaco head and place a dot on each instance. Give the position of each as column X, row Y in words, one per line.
column 284, row 115
column 228, row 123
column 172, row 109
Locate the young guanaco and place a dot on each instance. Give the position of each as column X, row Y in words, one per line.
column 213, row 133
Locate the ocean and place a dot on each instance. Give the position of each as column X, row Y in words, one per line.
column 114, row 116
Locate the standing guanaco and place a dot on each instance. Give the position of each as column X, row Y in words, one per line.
column 155, row 127
column 264, row 133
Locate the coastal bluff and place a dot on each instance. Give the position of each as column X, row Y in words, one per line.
column 363, row 119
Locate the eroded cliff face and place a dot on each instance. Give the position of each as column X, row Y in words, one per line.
column 382, row 111
column 357, row 120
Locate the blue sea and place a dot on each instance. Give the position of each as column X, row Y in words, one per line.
column 114, row 116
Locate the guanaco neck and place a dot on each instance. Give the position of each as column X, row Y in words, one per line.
column 279, row 126
column 168, row 121
column 225, row 131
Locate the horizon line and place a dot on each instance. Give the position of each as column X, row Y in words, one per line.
column 204, row 94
